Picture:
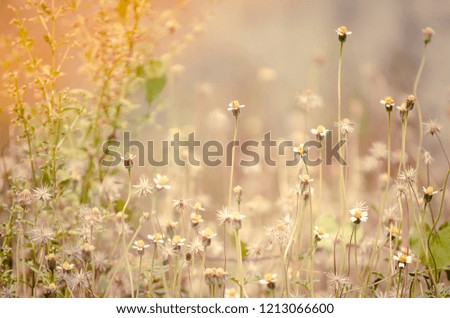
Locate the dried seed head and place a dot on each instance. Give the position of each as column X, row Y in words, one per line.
column 432, row 127
column 427, row 34
column 410, row 101
column 51, row 261
column 237, row 190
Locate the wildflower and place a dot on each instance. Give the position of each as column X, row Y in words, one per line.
column 198, row 207
column 196, row 219
column 90, row 216
column 394, row 232
column 224, row 217
column 42, row 193
column 307, row 100
column 432, row 127
column 359, row 213
column 269, row 280
column 300, row 151
column 128, row 160
column 408, row 175
column 161, row 182
column 215, row 276
column 346, row 126
column 403, row 257
column 378, row 150
column 41, row 235
column 65, row 267
column 176, row 241
column 172, row 25
column 337, row 281
column 266, row 74
column 427, row 34
column 24, row 198
column 320, row 132
column 390, row 216
column 86, row 251
column 236, row 220
column 170, row 227
column 427, row 158
column 156, row 238
column 428, row 193
column 388, row 102
column 144, row 187
column 207, row 234
column 120, row 216
column 100, row 262
column 342, row 33
column 220, row 276
column 231, row 293
column 410, row 101
column 140, row 246
column 402, row 187
column 305, row 180
column 196, row 246
column 50, row 290
column 235, row 108
column 51, row 261
column 180, row 204
column 319, row 233
column 79, row 279
column 237, row 190
column 402, row 110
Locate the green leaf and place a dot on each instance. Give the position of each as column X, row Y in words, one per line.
column 244, row 249
column 439, row 246
column 153, row 87
column 119, row 206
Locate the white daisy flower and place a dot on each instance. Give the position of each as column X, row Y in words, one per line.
column 359, row 213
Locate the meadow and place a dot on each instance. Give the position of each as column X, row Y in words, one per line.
column 323, row 189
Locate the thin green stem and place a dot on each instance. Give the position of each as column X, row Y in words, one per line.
column 139, row 276
column 233, row 154
column 419, row 111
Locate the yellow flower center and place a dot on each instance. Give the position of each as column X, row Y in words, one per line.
column 281, row 228
column 140, row 243
column 357, row 214
column 176, row 239
column 197, row 205
column 388, row 100
column 235, row 104
column 196, row 217
column 157, row 236
column 268, row 277
column 430, row 190
column 320, row 129
column 394, row 231
column 231, row 292
column 163, row 180
column 207, row 232
column 402, row 258
column 321, row 231
column 66, row 266
column 300, row 149
column 343, row 29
